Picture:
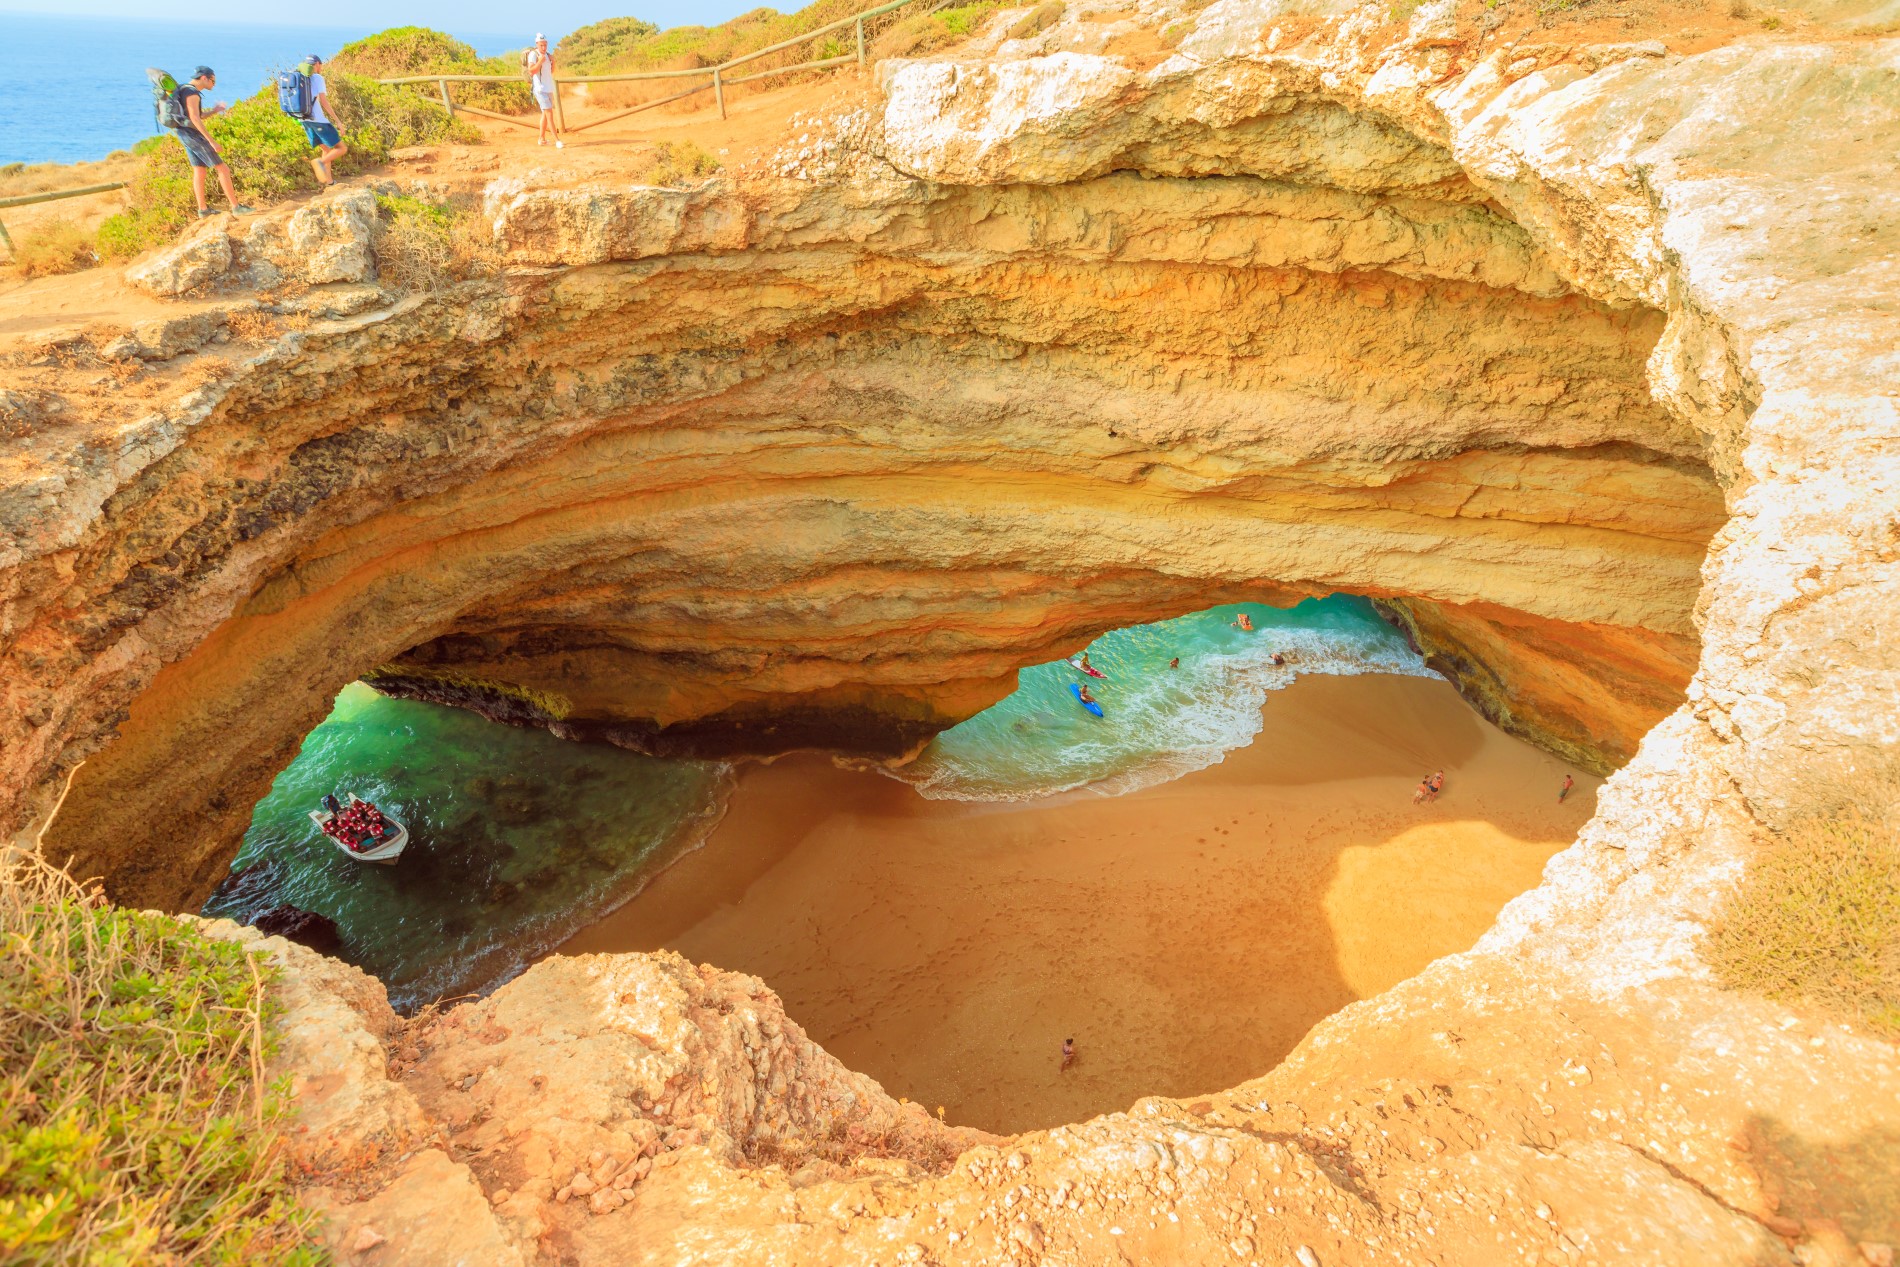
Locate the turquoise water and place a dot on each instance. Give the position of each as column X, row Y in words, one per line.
column 1160, row 723
column 516, row 840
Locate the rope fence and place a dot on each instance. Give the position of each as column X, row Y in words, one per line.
column 718, row 77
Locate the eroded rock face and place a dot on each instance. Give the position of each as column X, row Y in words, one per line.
column 1581, row 360
column 1218, row 339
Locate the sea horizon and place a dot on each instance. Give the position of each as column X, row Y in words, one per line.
column 77, row 89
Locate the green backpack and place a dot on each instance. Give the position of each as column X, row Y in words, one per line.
column 167, row 109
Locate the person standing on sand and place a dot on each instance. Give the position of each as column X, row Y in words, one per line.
column 200, row 150
column 1424, row 791
column 1565, row 789
column 1437, row 782
column 540, row 67
column 320, row 129
column 1068, row 1054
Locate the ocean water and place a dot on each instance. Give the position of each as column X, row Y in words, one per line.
column 74, row 88
column 516, row 840
column 1159, row 723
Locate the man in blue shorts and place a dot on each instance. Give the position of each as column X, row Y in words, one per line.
column 200, row 149
column 320, row 129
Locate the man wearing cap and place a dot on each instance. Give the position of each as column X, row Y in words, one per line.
column 320, row 129
column 200, row 149
column 540, row 67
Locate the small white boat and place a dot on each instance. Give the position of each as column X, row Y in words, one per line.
column 385, row 851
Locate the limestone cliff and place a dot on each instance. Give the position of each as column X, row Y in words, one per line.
column 820, row 458
column 1582, row 356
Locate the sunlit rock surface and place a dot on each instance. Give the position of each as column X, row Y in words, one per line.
column 1581, row 356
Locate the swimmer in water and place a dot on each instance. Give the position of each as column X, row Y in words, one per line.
column 1175, row 663
column 1278, row 659
column 1068, row 1054
column 1244, row 623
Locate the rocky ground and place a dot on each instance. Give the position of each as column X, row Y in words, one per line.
column 1606, row 303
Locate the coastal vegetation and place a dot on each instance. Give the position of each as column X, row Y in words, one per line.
column 135, row 1122
column 1817, row 920
column 629, row 45
column 403, row 51
column 678, row 164
column 424, row 245
column 269, row 159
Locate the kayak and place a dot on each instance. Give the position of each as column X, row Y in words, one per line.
column 385, row 851
column 1089, row 669
column 1076, row 690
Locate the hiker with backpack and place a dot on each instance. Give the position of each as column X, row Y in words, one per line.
column 304, row 96
column 181, row 108
column 538, row 64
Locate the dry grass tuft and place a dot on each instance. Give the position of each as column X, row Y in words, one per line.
column 678, row 164
column 55, row 246
column 426, row 245
column 253, row 325
column 135, row 1125
column 1817, row 920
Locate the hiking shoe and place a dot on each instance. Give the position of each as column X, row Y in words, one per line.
column 205, row 211
column 240, row 210
column 560, row 145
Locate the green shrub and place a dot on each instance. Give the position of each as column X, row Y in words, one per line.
column 269, row 157
column 1817, row 921
column 133, row 1127
column 416, row 50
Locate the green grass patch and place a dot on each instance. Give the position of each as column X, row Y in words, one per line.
column 1817, row 921
column 135, row 1126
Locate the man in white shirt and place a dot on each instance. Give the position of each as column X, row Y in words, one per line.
column 320, row 129
column 540, row 67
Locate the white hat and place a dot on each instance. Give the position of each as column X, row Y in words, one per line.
column 538, row 37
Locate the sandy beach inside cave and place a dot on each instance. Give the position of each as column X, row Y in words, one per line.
column 1187, row 935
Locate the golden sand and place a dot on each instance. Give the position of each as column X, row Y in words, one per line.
column 1186, row 936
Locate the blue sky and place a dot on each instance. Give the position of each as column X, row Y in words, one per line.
column 556, row 17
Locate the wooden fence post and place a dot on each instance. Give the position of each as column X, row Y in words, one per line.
column 719, row 92
column 560, row 117
column 443, row 86
column 860, row 43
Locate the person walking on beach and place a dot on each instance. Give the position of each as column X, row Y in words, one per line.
column 1423, row 792
column 1068, row 1054
column 1565, row 789
column 320, row 128
column 540, row 67
column 200, row 150
column 1437, row 782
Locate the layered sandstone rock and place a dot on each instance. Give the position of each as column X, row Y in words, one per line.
column 1143, row 348
column 1583, row 358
